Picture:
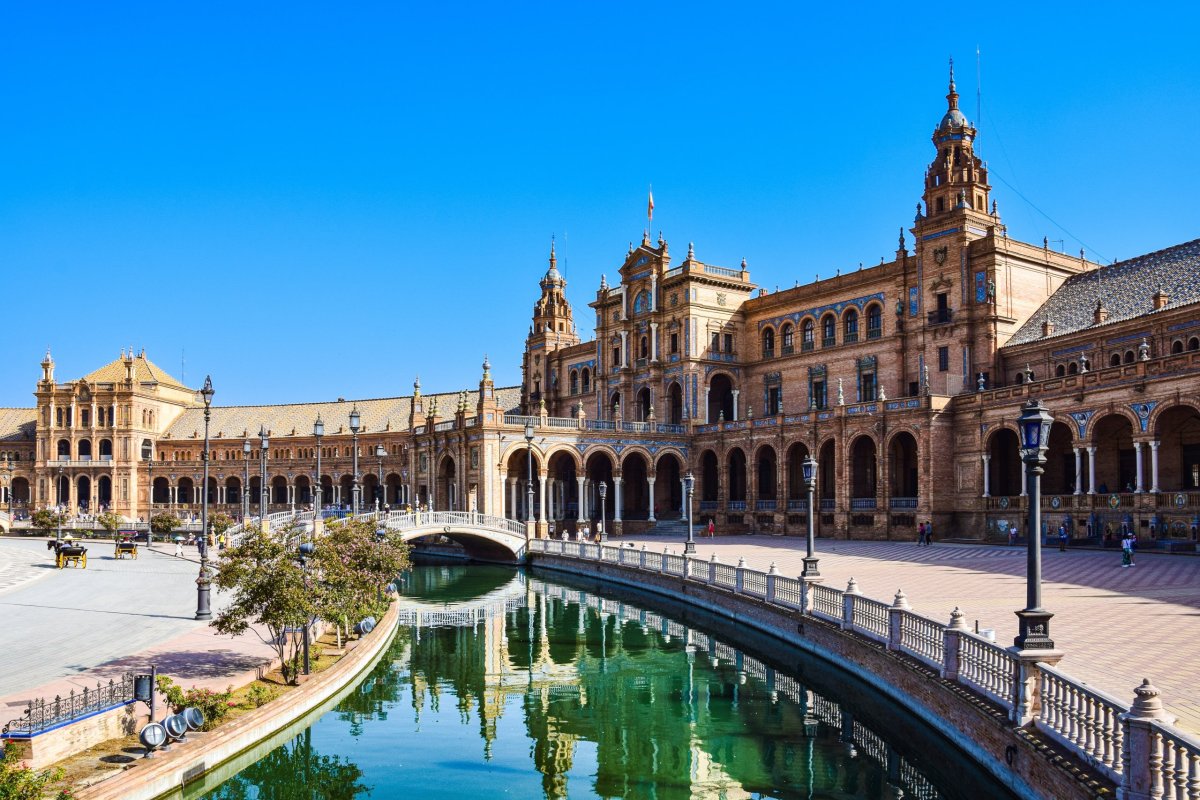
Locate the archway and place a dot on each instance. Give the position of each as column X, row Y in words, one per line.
column 304, row 493
column 212, row 489
column 104, row 492
column 675, row 404
column 710, row 476
column 562, row 487
column 62, row 486
column 863, row 471
column 737, row 476
column 64, row 450
column 345, row 491
column 370, row 492
column 393, row 490
column 106, row 450
column 668, row 491
column 160, row 491
column 327, row 493
column 599, row 469
column 1004, row 463
column 1059, row 477
column 85, row 449
column 720, row 398
column 643, row 404
column 766, row 472
column 519, row 475
column 635, row 490
column 902, row 468
column 1116, row 462
column 1178, row 431
column 185, row 491
column 20, row 491
column 797, row 492
column 447, row 485
column 279, row 491
column 83, row 493
column 827, row 466
column 233, row 491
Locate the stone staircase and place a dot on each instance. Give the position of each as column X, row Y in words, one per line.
column 671, row 529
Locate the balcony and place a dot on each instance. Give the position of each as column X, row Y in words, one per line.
column 708, row 505
column 806, row 346
column 797, row 505
column 902, row 503
column 787, row 349
column 828, row 341
column 768, row 352
column 850, row 337
column 828, row 504
column 764, row 505
column 942, row 316
column 862, row 504
column 735, row 505
column 874, row 333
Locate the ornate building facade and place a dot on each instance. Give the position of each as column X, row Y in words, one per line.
column 903, row 380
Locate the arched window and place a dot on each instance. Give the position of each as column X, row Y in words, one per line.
column 1128, row 356
column 807, row 334
column 788, row 337
column 875, row 321
column 850, row 321
column 574, row 382
column 1060, row 371
column 1114, row 360
column 586, row 380
column 1177, row 346
column 64, row 449
column 768, row 343
column 828, row 330
column 1194, row 343
column 644, row 348
column 1072, row 368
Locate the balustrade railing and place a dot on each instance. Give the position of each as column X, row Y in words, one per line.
column 1098, row 728
column 42, row 715
column 765, row 505
column 862, row 503
column 735, row 505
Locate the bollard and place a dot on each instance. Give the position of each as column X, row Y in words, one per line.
column 772, row 572
column 739, row 580
column 896, row 620
column 848, row 598
column 950, row 641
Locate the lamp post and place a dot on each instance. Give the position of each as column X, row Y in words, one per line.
column 246, row 448
column 808, row 470
column 306, row 550
column 603, row 494
column 689, row 483
column 60, row 493
column 404, row 483
column 204, row 582
column 150, row 497
column 354, row 425
column 529, row 472
column 380, row 496
column 318, row 432
column 262, row 476
column 1034, row 626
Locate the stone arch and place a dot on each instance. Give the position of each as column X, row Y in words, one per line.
column 20, row 491
column 521, row 476
column 279, row 490
column 106, row 450
column 735, row 458
column 304, row 490
column 185, row 491
column 644, row 404
column 85, row 449
column 445, row 494
column 563, row 469
column 83, row 492
column 635, row 489
column 233, row 490
column 668, row 490
column 1004, row 463
column 64, row 449
column 675, row 403
column 710, row 477
column 1112, row 436
column 600, row 467
column 1059, row 475
column 864, row 468
column 903, row 466
column 160, row 491
column 796, row 490
column 1177, row 429
column 766, row 473
column 104, row 491
column 720, row 397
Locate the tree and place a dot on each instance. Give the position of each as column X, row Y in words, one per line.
column 46, row 520
column 110, row 522
column 20, row 783
column 268, row 588
column 219, row 522
column 164, row 523
column 354, row 562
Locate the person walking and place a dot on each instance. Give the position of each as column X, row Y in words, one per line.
column 1127, row 552
column 1062, row 538
column 179, row 548
column 920, row 534
column 928, row 533
column 711, row 529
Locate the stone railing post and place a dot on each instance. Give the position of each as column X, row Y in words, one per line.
column 662, row 565
column 712, row 569
column 950, row 642
column 805, row 588
column 772, row 571
column 642, row 562
column 896, row 620
column 848, row 598
column 1141, row 756
column 739, row 580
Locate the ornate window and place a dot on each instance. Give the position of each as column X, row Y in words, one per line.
column 874, row 321
column 850, row 323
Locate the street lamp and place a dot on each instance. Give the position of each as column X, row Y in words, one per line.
column 404, row 484
column 354, row 425
column 246, row 448
column 689, row 483
column 808, row 470
column 603, row 494
column 1034, row 627
column 204, row 582
column 529, row 472
column 306, row 550
column 379, row 495
column 262, row 475
column 150, row 496
column 59, row 515
column 318, row 432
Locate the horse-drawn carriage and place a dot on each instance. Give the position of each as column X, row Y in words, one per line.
column 126, row 547
column 68, row 553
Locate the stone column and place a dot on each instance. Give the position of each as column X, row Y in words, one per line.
column 542, row 499
column 1137, row 451
column 707, row 418
column 650, row 479
column 736, row 392
column 624, row 348
column 653, row 341
column 986, row 459
column 617, row 480
column 1154, row 467
column 1091, row 451
column 1142, row 757
column 512, row 490
column 1078, row 470
column 682, row 498
column 581, row 511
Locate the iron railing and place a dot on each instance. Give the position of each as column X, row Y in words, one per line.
column 42, row 715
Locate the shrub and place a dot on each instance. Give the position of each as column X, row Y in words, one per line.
column 46, row 520
column 164, row 523
column 20, row 783
column 109, row 521
column 214, row 705
column 259, row 694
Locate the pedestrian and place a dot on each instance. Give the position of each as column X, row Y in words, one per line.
column 928, row 533
column 1127, row 552
column 1012, row 535
column 920, row 533
column 711, row 529
column 179, row 548
column 1062, row 538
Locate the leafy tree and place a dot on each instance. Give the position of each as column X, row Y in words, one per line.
column 164, row 523
column 219, row 523
column 110, row 522
column 354, row 562
column 20, row 783
column 46, row 520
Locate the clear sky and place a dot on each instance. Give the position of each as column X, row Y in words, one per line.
column 312, row 200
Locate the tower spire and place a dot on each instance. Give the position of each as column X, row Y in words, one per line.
column 952, row 97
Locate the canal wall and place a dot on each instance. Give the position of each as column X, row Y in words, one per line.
column 1015, row 757
column 171, row 774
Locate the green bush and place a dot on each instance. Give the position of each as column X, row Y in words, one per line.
column 46, row 520
column 259, row 694
column 19, row 783
column 164, row 523
column 214, row 705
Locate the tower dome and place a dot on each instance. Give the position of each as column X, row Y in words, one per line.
column 953, row 117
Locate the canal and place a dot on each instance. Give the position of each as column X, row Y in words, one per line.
column 505, row 683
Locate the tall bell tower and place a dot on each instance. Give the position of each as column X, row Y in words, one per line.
column 957, row 178
column 553, row 328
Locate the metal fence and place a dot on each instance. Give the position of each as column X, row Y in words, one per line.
column 42, row 715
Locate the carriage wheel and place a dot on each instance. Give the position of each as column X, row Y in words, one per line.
column 83, row 560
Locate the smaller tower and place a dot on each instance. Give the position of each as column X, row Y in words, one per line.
column 553, row 329
column 48, row 367
column 956, row 178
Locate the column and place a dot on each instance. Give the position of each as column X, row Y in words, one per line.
column 542, row 499
column 650, row 479
column 581, row 512
column 624, row 348
column 1154, row 467
column 617, row 480
column 1091, row 451
column 1024, row 482
column 682, row 498
column 986, row 459
column 512, row 490
column 736, row 392
column 1078, row 470
column 653, row 341
column 653, row 294
column 706, row 416
column 550, row 501
column 1137, row 451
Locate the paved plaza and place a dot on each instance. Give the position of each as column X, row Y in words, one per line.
column 1115, row 625
column 66, row 629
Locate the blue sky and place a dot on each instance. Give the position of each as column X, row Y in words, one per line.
column 319, row 200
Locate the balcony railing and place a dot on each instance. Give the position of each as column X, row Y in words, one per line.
column 709, row 505
column 874, row 333
column 828, row 504
column 735, row 505
column 828, row 341
column 806, row 346
column 850, row 337
column 768, row 352
column 902, row 502
column 797, row 505
column 940, row 316
column 765, row 505
column 862, row 503
column 787, row 349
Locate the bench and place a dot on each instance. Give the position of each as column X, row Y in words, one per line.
column 73, row 555
column 126, row 549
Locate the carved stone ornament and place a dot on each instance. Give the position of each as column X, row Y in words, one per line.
column 939, row 255
column 720, row 298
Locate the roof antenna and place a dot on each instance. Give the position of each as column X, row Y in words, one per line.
column 182, row 361
column 978, row 91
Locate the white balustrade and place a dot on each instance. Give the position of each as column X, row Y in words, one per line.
column 987, row 667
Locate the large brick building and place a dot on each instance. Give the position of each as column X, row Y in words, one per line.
column 903, row 379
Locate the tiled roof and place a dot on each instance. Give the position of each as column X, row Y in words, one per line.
column 387, row 413
column 17, row 424
column 144, row 371
column 1127, row 289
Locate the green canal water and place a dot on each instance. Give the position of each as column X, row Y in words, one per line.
column 503, row 683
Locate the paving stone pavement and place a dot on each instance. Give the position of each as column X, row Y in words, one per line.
column 1115, row 625
column 74, row 627
column 16, row 568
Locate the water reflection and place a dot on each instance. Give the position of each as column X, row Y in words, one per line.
column 293, row 771
column 576, row 695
